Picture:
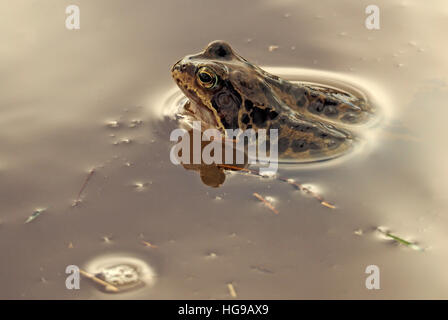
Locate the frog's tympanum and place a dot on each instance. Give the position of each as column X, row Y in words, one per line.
column 228, row 92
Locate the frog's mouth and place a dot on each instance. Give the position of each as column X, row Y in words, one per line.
column 192, row 111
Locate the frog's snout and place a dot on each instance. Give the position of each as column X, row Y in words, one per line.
column 176, row 66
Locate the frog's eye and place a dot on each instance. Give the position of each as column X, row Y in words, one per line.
column 207, row 78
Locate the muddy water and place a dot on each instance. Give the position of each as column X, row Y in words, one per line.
column 96, row 98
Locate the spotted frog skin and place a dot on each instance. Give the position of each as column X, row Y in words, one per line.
column 228, row 92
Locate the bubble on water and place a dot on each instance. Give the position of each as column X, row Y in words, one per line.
column 342, row 34
column 399, row 65
column 287, row 15
column 293, row 47
column 358, row 232
column 249, row 40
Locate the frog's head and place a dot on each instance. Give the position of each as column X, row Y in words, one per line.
column 221, row 81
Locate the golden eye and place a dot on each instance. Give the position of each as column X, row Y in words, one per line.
column 207, row 78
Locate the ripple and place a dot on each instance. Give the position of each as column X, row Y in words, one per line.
column 351, row 86
column 123, row 272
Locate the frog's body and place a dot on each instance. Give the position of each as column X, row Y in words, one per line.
column 228, row 92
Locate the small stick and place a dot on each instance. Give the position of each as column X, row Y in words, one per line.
column 289, row 181
column 91, row 172
column 316, row 196
column 266, row 202
column 147, row 244
column 231, row 290
column 107, row 286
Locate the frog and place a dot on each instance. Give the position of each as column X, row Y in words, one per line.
column 226, row 91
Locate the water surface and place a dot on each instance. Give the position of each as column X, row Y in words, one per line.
column 73, row 101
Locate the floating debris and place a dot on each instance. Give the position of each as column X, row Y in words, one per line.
column 141, row 186
column 266, row 202
column 84, row 185
column 113, row 124
column 211, row 256
column 149, row 245
column 70, row 245
column 231, row 290
column 135, row 123
column 118, row 273
column 107, row 239
column 308, row 191
column 272, row 48
column 296, row 185
column 358, row 232
column 262, row 269
column 125, row 141
column 35, row 214
column 399, row 240
column 107, row 286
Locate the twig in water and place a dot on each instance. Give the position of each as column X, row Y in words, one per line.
column 231, row 290
column 84, row 185
column 296, row 185
column 150, row 245
column 266, row 202
column 107, row 286
column 35, row 214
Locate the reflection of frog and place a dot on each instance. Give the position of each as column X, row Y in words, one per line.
column 228, row 92
column 213, row 174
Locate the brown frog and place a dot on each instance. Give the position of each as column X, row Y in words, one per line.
column 228, row 92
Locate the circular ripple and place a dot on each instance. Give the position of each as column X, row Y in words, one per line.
column 123, row 272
